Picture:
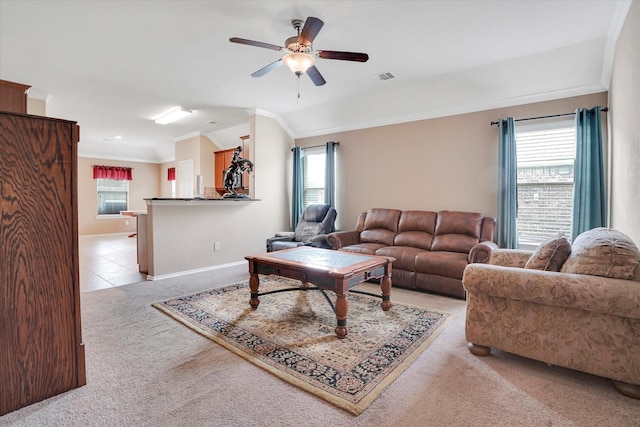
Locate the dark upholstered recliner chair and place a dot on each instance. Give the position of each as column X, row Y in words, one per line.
column 316, row 222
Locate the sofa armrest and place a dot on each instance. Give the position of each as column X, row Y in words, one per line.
column 481, row 252
column 270, row 240
column 579, row 291
column 339, row 239
column 318, row 241
column 510, row 257
column 285, row 234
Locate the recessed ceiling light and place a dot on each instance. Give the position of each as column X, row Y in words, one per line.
column 118, row 137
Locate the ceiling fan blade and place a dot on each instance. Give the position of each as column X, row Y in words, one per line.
column 264, row 70
column 315, row 76
column 255, row 43
column 345, row 56
column 310, row 30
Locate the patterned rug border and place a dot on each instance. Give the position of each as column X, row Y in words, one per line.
column 353, row 408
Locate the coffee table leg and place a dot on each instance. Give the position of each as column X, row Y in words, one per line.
column 385, row 285
column 342, row 307
column 254, row 283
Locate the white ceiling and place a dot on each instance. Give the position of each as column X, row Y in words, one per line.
column 113, row 66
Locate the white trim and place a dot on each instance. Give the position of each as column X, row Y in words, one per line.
column 278, row 119
column 111, row 216
column 453, row 111
column 619, row 16
column 197, row 270
column 119, row 158
column 189, row 135
column 106, row 234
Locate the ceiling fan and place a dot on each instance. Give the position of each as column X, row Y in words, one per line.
column 301, row 57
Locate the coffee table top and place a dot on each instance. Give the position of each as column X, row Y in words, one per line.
column 322, row 259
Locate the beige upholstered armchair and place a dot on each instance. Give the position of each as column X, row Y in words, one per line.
column 316, row 222
column 585, row 315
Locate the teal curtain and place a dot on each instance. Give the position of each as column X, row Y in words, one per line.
column 297, row 193
column 507, row 226
column 330, row 174
column 589, row 199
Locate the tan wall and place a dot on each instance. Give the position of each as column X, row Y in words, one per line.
column 624, row 95
column 200, row 149
column 145, row 184
column 443, row 163
column 270, row 151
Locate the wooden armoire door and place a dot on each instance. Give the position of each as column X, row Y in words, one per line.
column 41, row 349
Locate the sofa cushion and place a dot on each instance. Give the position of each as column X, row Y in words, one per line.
column 416, row 228
column 380, row 226
column 550, row 254
column 363, row 248
column 405, row 256
column 448, row 264
column 457, row 231
column 603, row 252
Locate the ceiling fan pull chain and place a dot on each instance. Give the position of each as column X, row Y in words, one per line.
column 298, row 89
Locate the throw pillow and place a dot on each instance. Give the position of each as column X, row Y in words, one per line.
column 603, row 252
column 550, row 255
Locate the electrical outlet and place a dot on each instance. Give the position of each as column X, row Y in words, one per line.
column 126, row 222
column 216, row 246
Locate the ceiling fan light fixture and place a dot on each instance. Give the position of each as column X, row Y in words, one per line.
column 299, row 62
column 173, row 115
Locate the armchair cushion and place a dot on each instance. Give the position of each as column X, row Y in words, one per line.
column 603, row 252
column 550, row 255
column 316, row 219
column 316, row 222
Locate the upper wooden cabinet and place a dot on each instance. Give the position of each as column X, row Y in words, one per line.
column 222, row 162
column 13, row 97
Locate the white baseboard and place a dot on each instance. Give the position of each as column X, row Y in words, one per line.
column 197, row 270
column 124, row 233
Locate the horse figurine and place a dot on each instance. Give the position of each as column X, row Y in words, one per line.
column 234, row 172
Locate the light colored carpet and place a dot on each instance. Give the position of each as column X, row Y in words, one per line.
column 144, row 369
column 291, row 335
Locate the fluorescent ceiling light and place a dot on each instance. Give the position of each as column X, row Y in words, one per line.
column 173, row 115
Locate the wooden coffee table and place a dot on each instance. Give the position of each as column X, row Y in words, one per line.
column 336, row 271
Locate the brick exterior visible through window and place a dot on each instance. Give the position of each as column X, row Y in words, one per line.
column 546, row 156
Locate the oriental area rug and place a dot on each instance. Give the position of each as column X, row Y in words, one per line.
column 291, row 335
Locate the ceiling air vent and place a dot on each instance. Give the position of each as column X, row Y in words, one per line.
column 383, row 76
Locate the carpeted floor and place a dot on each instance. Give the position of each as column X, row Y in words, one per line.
column 144, row 369
column 292, row 335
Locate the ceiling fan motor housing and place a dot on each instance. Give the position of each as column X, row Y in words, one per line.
column 293, row 45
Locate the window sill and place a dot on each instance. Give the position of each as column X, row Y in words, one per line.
column 111, row 216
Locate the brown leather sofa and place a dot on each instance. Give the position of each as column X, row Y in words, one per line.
column 431, row 249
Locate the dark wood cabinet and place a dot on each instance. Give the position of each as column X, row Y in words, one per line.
column 13, row 96
column 41, row 348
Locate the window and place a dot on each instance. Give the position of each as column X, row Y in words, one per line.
column 546, row 156
column 113, row 195
column 313, row 170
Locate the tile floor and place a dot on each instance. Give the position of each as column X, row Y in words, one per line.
column 107, row 261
